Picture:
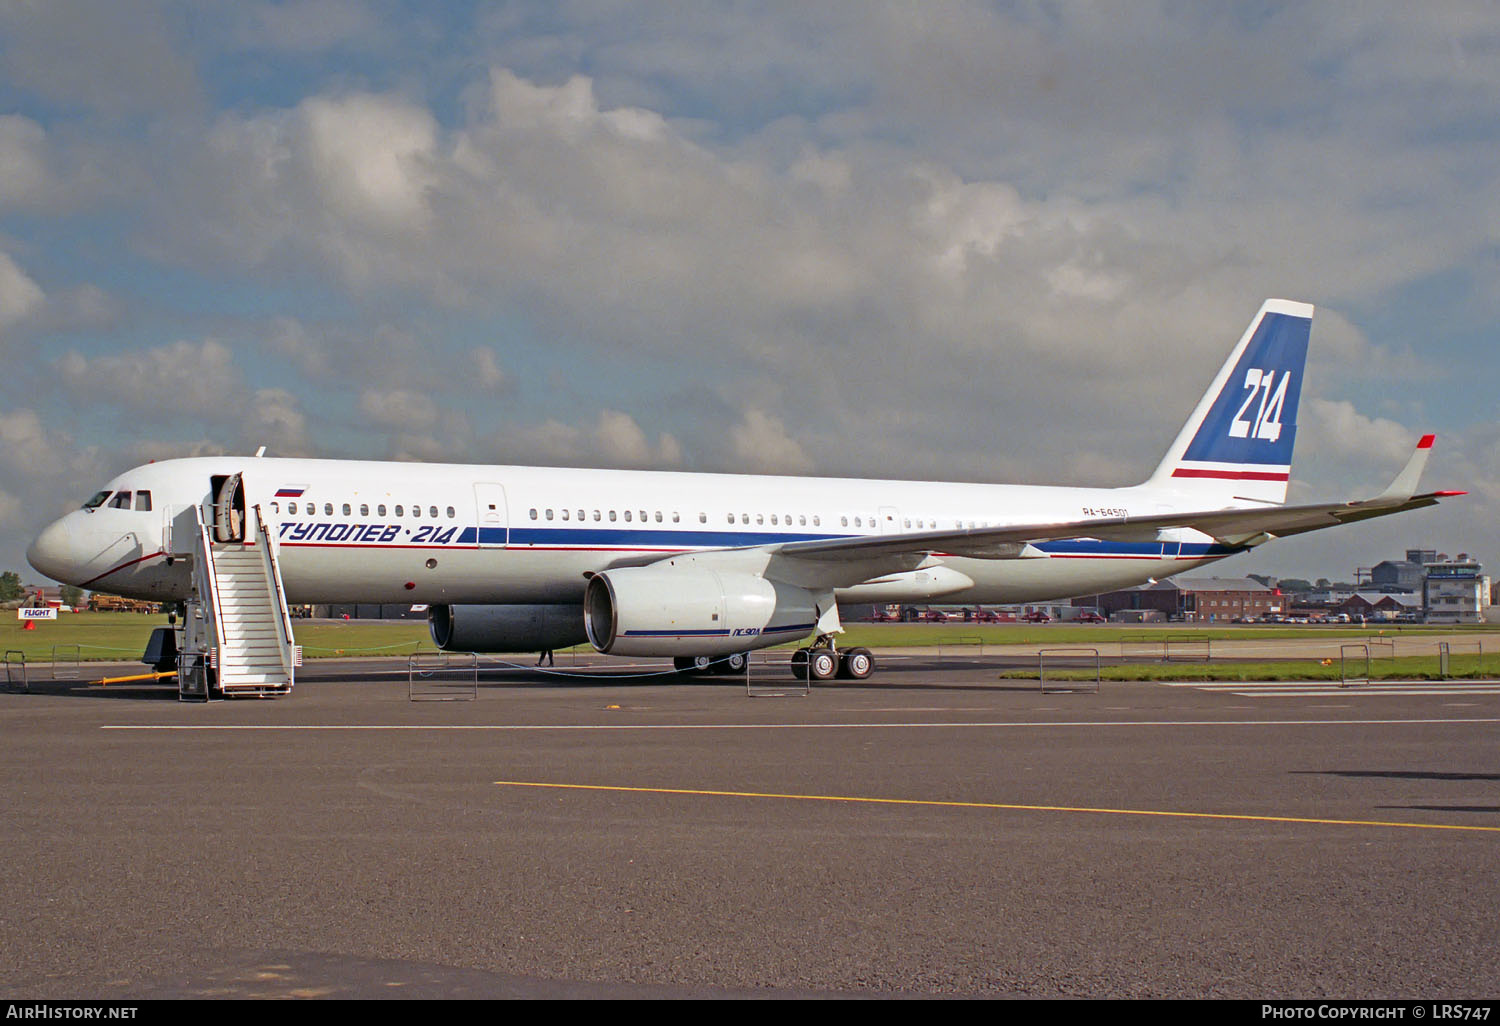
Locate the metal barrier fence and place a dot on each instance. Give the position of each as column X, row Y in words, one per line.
column 193, row 673
column 442, row 677
column 1345, row 680
column 1186, row 648
column 1151, row 651
column 59, row 659
column 1445, row 654
column 12, row 677
column 967, row 642
column 760, row 682
column 1067, row 658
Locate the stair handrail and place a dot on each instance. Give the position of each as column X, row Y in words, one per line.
column 209, row 574
column 278, row 591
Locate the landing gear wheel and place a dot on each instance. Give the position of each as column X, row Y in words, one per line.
column 693, row 664
column 822, row 664
column 799, row 664
column 856, row 664
column 734, row 663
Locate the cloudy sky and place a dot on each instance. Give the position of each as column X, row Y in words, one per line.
column 961, row 241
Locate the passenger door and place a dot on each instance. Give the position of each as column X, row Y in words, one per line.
column 493, row 522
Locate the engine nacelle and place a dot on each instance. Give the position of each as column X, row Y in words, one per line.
column 505, row 628
column 688, row 611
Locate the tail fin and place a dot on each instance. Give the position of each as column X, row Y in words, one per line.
column 1237, row 445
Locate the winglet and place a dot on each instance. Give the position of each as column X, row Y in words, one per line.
column 1405, row 485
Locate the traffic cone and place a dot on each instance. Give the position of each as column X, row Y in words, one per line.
column 29, row 625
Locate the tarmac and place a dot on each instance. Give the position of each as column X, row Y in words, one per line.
column 932, row 831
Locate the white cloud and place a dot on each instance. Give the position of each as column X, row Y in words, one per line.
column 107, row 56
column 197, row 378
column 19, row 295
column 487, row 373
column 275, row 419
column 44, row 471
column 613, row 440
column 760, row 444
column 23, row 162
column 398, row 408
column 1338, row 429
column 308, row 26
column 370, row 156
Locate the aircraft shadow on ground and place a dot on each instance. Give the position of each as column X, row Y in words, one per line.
column 1398, row 774
column 87, row 689
column 1442, row 808
column 532, row 677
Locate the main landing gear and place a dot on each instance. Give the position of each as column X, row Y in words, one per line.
column 824, row 662
column 726, row 665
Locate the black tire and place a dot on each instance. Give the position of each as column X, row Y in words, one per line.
column 822, row 664
column 693, row 664
column 734, row 664
column 799, row 664
column 856, row 664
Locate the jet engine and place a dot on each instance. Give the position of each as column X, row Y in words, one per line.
column 505, row 628
column 689, row 611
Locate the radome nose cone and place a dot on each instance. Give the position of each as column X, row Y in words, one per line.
column 52, row 552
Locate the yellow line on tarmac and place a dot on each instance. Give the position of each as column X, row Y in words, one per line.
column 998, row 805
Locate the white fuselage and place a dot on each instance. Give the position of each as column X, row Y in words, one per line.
column 469, row 534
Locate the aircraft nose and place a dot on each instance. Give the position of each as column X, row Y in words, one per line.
column 53, row 553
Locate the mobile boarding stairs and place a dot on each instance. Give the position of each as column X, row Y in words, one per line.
column 235, row 640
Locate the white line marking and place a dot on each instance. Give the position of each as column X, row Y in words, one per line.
column 791, row 726
column 1356, row 691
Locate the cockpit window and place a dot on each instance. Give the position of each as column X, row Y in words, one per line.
column 98, row 500
column 142, row 501
column 120, row 501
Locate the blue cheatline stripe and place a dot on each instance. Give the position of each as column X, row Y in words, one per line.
column 601, row 536
column 591, row 538
column 595, row 537
column 1152, row 550
column 675, row 634
column 718, row 633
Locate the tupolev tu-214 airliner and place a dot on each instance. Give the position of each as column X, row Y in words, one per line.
column 706, row 567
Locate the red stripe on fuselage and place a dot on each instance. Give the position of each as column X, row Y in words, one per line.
column 122, row 566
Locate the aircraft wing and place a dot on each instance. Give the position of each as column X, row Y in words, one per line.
column 1241, row 527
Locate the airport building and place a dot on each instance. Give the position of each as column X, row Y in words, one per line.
column 1193, row 599
column 1455, row 591
column 1370, row 606
column 1431, row 585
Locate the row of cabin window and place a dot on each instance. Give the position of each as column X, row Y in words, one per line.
column 744, row 518
column 567, row 514
column 292, row 509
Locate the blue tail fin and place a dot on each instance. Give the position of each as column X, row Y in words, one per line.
column 1238, row 443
